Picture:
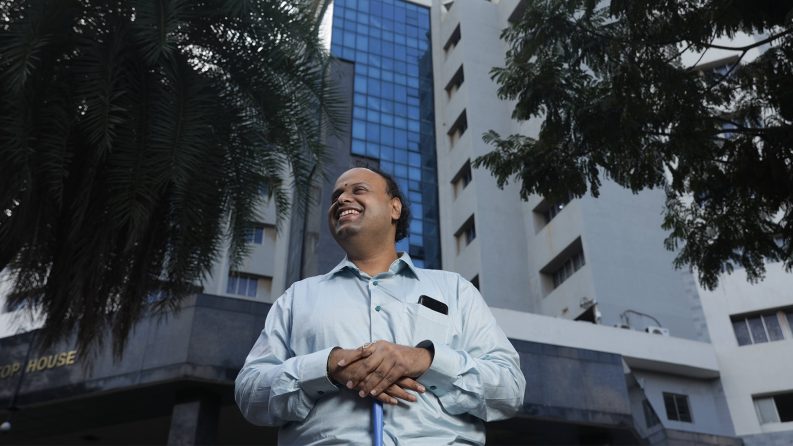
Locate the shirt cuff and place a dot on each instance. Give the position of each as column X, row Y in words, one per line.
column 439, row 378
column 314, row 380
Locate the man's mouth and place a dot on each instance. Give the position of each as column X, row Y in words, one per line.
column 348, row 213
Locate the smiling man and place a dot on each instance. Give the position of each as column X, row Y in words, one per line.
column 376, row 327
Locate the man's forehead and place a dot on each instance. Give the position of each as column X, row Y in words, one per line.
column 359, row 175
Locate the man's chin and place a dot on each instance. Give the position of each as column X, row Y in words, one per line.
column 344, row 233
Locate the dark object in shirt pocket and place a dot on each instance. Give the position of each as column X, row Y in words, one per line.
column 433, row 304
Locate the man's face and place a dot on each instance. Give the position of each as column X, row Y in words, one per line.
column 360, row 205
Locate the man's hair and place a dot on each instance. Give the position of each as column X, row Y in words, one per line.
column 392, row 188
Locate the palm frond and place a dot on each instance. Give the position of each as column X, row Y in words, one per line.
column 135, row 138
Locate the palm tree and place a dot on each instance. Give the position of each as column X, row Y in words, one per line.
column 135, row 136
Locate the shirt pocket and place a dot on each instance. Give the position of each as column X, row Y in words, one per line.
column 430, row 325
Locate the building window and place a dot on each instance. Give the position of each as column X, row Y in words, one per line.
column 462, row 178
column 547, row 210
column 775, row 408
column 455, row 82
column 248, row 285
column 458, row 128
column 454, row 39
column 677, row 407
column 569, row 267
column 766, row 327
column 564, row 265
column 258, row 232
column 466, row 234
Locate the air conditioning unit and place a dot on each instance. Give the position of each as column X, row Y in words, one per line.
column 657, row 330
column 624, row 326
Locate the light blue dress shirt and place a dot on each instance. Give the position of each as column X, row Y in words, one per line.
column 475, row 374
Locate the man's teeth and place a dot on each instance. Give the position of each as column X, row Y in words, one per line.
column 348, row 212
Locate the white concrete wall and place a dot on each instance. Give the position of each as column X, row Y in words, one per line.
column 631, row 268
column 627, row 266
column 709, row 413
column 659, row 363
column 640, row 350
column 267, row 259
column 750, row 369
column 498, row 254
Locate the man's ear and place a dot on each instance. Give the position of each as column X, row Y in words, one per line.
column 396, row 208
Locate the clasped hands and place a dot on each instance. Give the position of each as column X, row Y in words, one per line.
column 382, row 370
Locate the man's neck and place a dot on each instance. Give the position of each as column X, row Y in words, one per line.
column 373, row 263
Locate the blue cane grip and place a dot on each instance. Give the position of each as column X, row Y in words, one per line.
column 377, row 422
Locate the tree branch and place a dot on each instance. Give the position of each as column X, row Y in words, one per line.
column 753, row 45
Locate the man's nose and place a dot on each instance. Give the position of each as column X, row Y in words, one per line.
column 343, row 197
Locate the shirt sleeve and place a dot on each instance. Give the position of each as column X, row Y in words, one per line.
column 274, row 386
column 480, row 373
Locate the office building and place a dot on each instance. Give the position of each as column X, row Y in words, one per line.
column 617, row 346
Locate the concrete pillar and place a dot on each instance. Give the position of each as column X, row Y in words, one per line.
column 194, row 419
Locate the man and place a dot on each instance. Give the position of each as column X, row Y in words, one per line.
column 376, row 327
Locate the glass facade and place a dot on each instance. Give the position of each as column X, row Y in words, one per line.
column 388, row 41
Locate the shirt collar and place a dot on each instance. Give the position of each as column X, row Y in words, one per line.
column 399, row 266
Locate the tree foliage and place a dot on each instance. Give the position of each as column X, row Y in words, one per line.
column 136, row 137
column 606, row 81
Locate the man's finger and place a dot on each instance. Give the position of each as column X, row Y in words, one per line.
column 386, row 399
column 411, row 384
column 363, row 369
column 398, row 392
column 378, row 378
column 353, row 355
column 394, row 374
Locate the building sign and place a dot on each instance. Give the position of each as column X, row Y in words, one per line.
column 39, row 364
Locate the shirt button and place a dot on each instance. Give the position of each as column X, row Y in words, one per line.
column 432, row 387
column 374, row 282
column 378, row 308
column 320, row 392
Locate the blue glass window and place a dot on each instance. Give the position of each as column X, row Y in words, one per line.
column 372, row 132
column 401, row 137
column 372, row 150
column 374, row 87
column 358, row 130
column 361, row 43
column 358, row 147
column 387, row 134
column 401, row 170
column 387, row 41
column 387, row 90
column 360, row 84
